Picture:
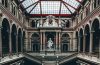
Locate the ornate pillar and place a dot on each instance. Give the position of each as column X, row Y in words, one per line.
column 56, row 40
column 91, row 41
column 43, row 40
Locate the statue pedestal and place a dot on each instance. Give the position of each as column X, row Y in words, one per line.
column 50, row 49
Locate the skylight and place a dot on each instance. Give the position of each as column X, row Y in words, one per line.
column 51, row 6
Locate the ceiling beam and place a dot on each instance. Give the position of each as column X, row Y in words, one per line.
column 60, row 7
column 40, row 8
column 20, row 2
column 69, row 5
column 68, row 8
column 33, row 7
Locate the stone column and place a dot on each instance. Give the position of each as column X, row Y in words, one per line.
column 91, row 41
column 56, row 40
column 59, row 41
column 71, row 45
column 43, row 40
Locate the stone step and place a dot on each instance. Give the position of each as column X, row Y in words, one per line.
column 49, row 63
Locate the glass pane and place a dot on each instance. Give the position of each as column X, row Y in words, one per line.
column 64, row 10
column 50, row 7
column 36, row 10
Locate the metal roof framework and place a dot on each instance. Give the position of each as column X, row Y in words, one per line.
column 50, row 7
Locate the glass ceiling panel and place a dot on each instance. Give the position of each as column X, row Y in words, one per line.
column 27, row 3
column 73, row 3
column 30, row 8
column 50, row 7
column 36, row 10
column 64, row 10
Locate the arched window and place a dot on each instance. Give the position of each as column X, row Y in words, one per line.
column 94, row 3
column 33, row 23
column 5, row 3
column 98, row 2
column 65, row 42
column 14, row 10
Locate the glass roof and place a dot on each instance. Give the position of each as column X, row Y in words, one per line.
column 51, row 6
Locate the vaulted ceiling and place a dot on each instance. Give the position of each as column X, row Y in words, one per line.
column 50, row 7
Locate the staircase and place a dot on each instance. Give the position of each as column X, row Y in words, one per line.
column 51, row 58
column 49, row 63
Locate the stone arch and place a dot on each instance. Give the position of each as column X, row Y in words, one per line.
column 35, row 42
column 65, row 42
column 87, row 38
column 95, row 30
column 81, row 39
column 19, row 40
column 13, row 38
column 5, row 36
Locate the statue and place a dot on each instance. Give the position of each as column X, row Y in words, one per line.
column 50, row 22
column 50, row 43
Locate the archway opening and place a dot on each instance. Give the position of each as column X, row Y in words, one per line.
column 19, row 40
column 35, row 41
column 81, row 39
column 65, row 43
column 87, row 38
column 5, row 36
column 95, row 29
column 13, row 38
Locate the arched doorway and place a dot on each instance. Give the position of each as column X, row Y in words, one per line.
column 96, row 34
column 19, row 40
column 87, row 38
column 13, row 38
column 5, row 36
column 65, row 42
column 81, row 39
column 35, row 41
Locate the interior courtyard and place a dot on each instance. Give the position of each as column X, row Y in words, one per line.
column 49, row 32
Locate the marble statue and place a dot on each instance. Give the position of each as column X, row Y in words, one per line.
column 50, row 43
